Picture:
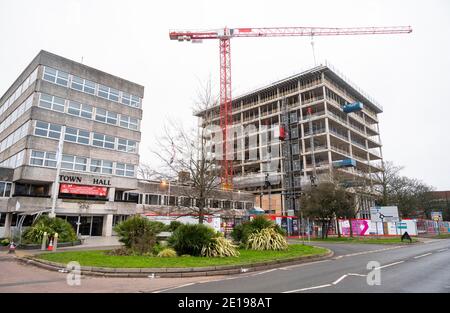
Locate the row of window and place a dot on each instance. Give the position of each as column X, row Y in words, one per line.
column 14, row 161
column 18, row 134
column 64, row 79
column 160, row 199
column 53, row 131
column 87, row 111
column 21, row 89
column 82, row 164
column 16, row 113
column 5, row 189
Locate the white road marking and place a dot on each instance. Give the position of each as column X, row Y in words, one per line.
column 264, row 272
column 443, row 250
column 309, row 288
column 421, row 256
column 387, row 265
column 339, row 279
column 354, row 274
column 176, row 287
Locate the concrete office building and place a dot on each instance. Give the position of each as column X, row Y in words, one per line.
column 311, row 105
column 101, row 114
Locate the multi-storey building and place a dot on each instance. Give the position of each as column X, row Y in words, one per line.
column 321, row 135
column 99, row 116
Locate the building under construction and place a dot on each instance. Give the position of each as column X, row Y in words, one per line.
column 326, row 126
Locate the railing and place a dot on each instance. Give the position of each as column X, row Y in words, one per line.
column 334, row 132
column 340, row 150
column 315, row 132
column 358, row 144
column 306, row 117
column 316, row 148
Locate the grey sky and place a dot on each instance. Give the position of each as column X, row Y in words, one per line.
column 407, row 74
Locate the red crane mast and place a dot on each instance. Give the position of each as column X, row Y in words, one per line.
column 224, row 36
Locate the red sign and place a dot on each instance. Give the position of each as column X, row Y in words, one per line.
column 83, row 190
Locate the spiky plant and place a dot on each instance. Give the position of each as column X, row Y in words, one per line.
column 266, row 239
column 220, row 247
column 167, row 253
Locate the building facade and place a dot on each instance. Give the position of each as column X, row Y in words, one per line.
column 99, row 116
column 323, row 137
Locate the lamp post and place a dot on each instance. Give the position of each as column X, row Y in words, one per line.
column 167, row 183
column 55, row 186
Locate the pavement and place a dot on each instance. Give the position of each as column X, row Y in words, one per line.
column 421, row 267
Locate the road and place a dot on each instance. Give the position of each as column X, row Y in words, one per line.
column 416, row 268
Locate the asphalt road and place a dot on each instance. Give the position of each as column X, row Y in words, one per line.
column 416, row 268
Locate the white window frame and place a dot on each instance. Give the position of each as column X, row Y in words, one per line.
column 52, row 103
column 47, row 129
column 130, row 148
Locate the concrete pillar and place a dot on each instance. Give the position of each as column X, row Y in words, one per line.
column 111, row 194
column 8, row 221
column 107, row 225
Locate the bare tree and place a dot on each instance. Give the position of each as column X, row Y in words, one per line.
column 145, row 171
column 187, row 151
column 387, row 181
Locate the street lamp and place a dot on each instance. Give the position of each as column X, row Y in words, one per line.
column 167, row 183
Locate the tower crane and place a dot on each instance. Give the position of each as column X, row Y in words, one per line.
column 224, row 36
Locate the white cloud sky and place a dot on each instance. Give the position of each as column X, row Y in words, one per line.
column 407, row 74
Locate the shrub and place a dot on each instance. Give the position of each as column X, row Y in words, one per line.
column 242, row 232
column 173, row 226
column 4, row 242
column 220, row 247
column 138, row 233
column 267, row 239
column 191, row 238
column 43, row 224
column 167, row 253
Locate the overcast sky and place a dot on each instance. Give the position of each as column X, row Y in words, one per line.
column 408, row 75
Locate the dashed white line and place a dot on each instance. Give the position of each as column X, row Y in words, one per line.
column 309, row 288
column 285, row 268
column 421, row 256
column 176, row 287
column 337, row 281
column 387, row 265
column 442, row 250
column 354, row 274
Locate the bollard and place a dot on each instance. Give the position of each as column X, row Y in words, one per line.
column 55, row 242
column 44, row 241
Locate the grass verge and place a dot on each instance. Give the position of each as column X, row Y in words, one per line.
column 100, row 259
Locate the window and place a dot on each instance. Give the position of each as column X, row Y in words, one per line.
column 128, row 122
column 77, row 135
column 111, row 117
column 295, row 148
column 101, row 166
column 79, row 109
column 15, row 161
column 77, row 83
column 135, row 101
column 18, row 134
column 47, row 130
column 5, row 189
column 123, row 169
column 126, row 145
column 103, row 141
column 89, row 87
column 41, row 158
column 113, row 94
column 16, row 113
column 72, row 162
column 296, row 165
column 103, row 91
column 100, row 115
column 126, row 98
column 294, row 132
column 293, row 118
column 51, row 102
column 55, row 76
